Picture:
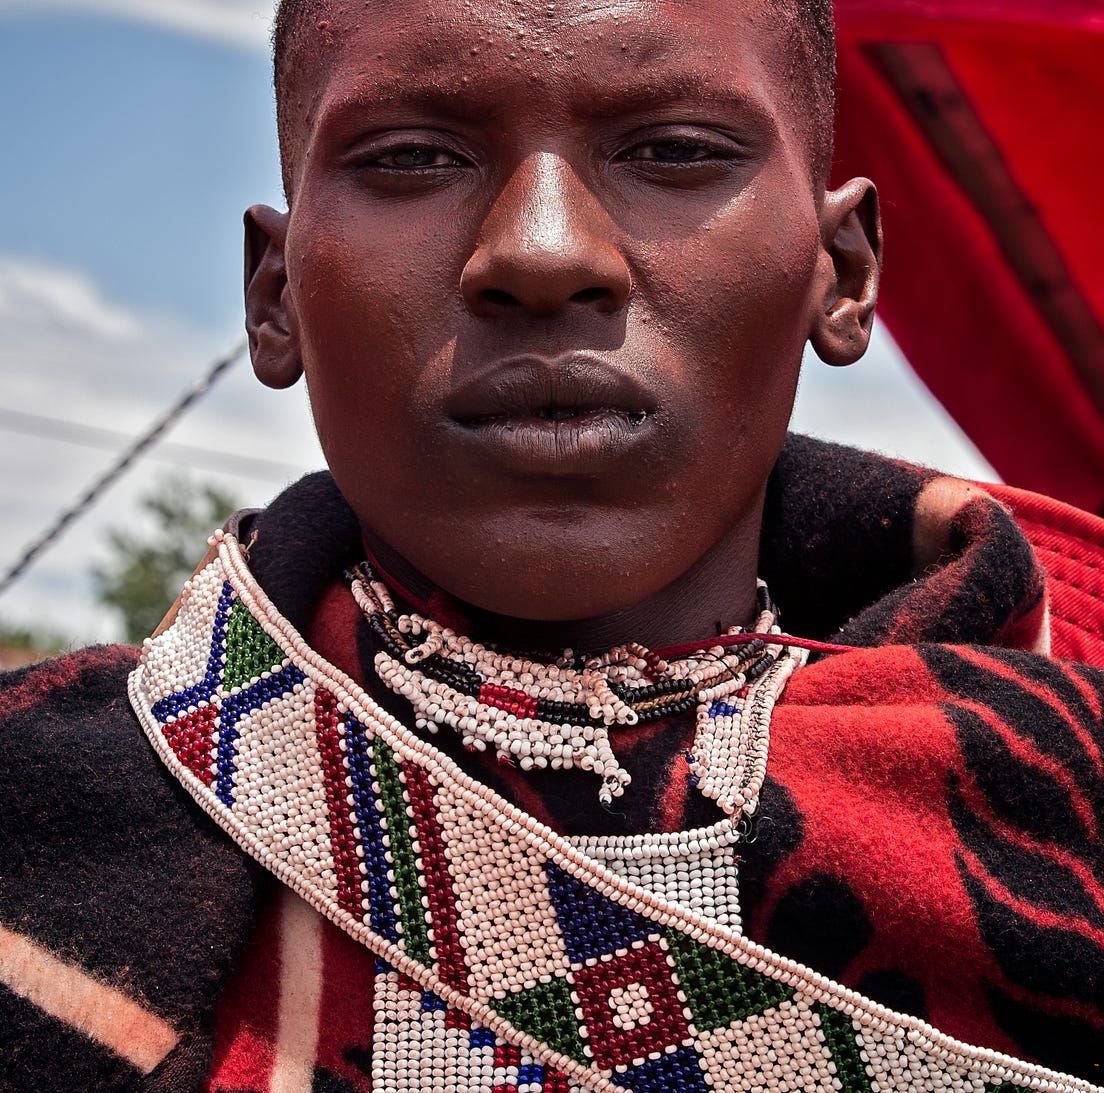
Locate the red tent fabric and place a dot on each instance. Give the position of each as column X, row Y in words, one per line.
column 982, row 124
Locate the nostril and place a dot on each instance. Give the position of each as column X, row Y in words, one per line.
column 498, row 296
column 590, row 295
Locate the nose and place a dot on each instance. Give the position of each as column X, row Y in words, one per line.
column 546, row 244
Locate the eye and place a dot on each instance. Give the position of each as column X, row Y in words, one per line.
column 415, row 157
column 673, row 151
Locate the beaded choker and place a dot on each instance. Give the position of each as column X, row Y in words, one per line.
column 558, row 712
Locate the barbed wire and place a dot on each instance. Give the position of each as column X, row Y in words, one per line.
column 46, row 427
column 121, row 465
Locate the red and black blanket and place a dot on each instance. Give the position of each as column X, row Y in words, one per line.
column 929, row 832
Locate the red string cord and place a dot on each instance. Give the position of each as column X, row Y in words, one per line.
column 675, row 652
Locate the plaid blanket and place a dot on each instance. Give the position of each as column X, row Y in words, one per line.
column 928, row 833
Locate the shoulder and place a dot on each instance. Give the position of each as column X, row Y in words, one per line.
column 943, row 805
column 1027, row 727
column 1069, row 544
column 78, row 779
column 67, row 733
column 99, row 668
column 1021, row 688
column 110, row 875
column 59, row 719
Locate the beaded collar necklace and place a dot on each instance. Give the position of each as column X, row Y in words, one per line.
column 558, row 712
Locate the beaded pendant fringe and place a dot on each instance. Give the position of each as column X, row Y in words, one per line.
column 558, row 713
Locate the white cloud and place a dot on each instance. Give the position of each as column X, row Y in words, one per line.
column 34, row 294
column 73, row 354
column 244, row 23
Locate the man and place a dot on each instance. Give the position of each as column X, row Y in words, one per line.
column 548, row 271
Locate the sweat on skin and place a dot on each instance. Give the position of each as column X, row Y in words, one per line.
column 549, row 272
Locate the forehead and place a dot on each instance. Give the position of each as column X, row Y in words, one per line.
column 495, row 53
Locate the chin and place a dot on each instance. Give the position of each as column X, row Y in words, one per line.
column 555, row 564
column 563, row 587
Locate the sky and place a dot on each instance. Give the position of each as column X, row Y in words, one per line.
column 135, row 132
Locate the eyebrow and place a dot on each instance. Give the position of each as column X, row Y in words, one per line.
column 471, row 102
column 677, row 90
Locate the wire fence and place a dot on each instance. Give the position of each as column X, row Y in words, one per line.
column 47, row 427
column 131, row 455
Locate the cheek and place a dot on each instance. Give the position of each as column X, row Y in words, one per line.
column 372, row 322
column 737, row 288
column 736, row 300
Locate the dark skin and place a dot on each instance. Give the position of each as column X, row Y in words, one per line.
column 548, row 271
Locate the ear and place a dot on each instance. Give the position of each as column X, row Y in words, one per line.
column 269, row 314
column 851, row 265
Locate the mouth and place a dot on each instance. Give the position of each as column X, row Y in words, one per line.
column 554, row 415
column 567, row 416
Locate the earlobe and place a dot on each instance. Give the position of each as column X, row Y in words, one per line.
column 851, row 265
column 269, row 314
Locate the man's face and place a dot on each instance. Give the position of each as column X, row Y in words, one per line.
column 551, row 267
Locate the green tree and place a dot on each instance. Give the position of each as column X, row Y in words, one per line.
column 21, row 645
column 146, row 569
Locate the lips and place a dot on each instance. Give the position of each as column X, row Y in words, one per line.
column 536, row 387
column 566, row 416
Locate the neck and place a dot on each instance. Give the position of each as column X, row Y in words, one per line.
column 715, row 593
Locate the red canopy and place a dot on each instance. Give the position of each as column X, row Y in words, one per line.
column 983, row 126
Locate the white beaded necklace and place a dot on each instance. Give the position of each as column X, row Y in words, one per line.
column 558, row 713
